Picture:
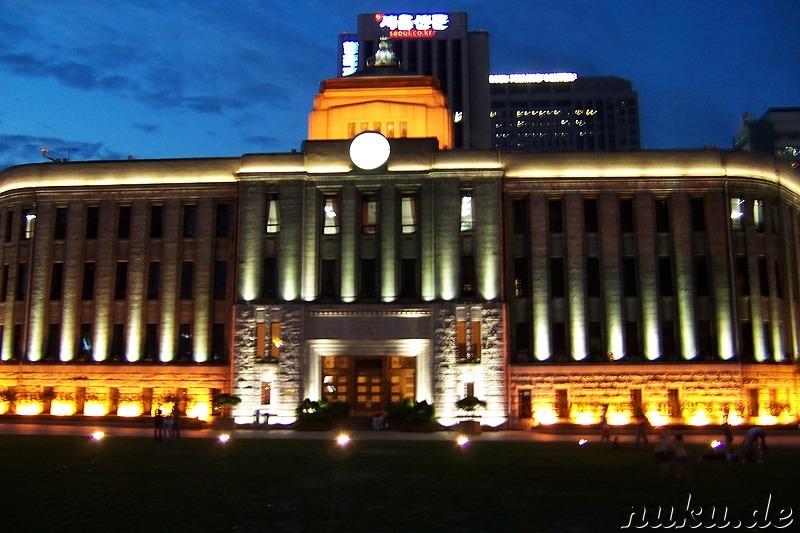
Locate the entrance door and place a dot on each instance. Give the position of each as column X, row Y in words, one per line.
column 369, row 397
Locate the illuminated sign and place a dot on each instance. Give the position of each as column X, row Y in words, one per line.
column 417, row 26
column 550, row 77
column 349, row 57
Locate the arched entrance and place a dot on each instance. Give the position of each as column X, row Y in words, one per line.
column 368, row 383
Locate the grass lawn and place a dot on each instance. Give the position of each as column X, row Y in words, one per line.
column 135, row 484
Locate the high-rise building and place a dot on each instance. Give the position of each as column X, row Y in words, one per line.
column 777, row 133
column 561, row 112
column 432, row 44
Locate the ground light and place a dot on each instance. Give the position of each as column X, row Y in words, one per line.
column 583, row 442
column 716, row 444
column 98, row 435
column 225, row 437
column 343, row 439
column 462, row 441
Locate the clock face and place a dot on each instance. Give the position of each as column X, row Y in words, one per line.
column 369, row 150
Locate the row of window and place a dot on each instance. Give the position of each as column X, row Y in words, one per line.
column 189, row 227
column 186, row 289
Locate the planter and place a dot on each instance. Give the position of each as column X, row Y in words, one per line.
column 469, row 427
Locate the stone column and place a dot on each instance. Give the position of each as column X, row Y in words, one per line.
column 170, row 274
column 576, row 284
column 608, row 210
column 681, row 217
column 137, row 278
column 540, row 294
column 73, row 280
column 644, row 210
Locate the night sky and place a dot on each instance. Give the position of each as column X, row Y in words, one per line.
column 162, row 79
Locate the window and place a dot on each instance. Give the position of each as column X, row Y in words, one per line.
column 266, row 392
column 156, row 221
column 665, row 276
column 219, row 343
column 22, row 282
column 88, row 281
column 60, row 230
column 185, row 344
column 590, row 222
column 4, row 281
column 475, row 330
column 270, row 278
column 461, row 340
column 467, row 275
column 369, row 279
column 521, row 277
column 275, row 341
column 220, row 280
column 92, row 221
column 467, row 220
column 153, row 280
column 121, row 281
column 626, row 220
column 85, row 342
column 268, row 341
column 117, row 342
column 698, row 208
column 187, row 280
column 189, row 221
column 662, row 216
column 273, row 214
column 702, row 284
column 408, row 214
column 151, row 341
column 330, row 224
column 9, row 225
column 223, row 221
column 758, row 215
column 737, row 214
column 53, row 341
column 408, row 278
column 555, row 215
column 593, row 282
column 742, row 276
column 557, row 282
column 629, row 286
column 28, row 224
column 328, row 288
column 519, row 216
column 57, row 281
column 763, row 277
column 403, row 129
column 369, row 214
column 124, row 222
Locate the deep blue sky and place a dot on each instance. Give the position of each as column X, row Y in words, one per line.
column 156, row 78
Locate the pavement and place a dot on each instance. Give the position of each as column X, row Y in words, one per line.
column 778, row 436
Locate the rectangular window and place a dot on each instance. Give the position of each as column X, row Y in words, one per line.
column 668, row 345
column 778, row 279
column 328, row 288
column 665, row 286
column 702, row 284
column 475, row 330
column 662, row 216
column 408, row 214
column 189, row 221
column 763, row 277
column 593, row 281
column 124, row 222
column 273, row 214
column 121, row 281
column 85, row 348
column 404, row 129
column 57, row 281
column 117, row 342
column 408, row 278
column 9, row 225
column 590, row 222
column 519, row 216
column 53, row 341
column 390, row 130
column 368, row 279
column 369, row 214
column 557, row 281
column 351, row 130
column 698, row 208
column 222, row 225
column 275, row 341
column 28, row 224
column 151, row 342
column 88, row 281
column 626, row 220
column 555, row 213
column 220, row 280
column 92, row 221
column 266, row 392
column 4, row 282
column 461, row 340
column 185, row 343
column 742, row 276
column 629, row 285
column 156, row 221
column 467, row 218
column 187, row 280
column 270, row 281
column 467, row 275
column 219, row 343
column 521, row 277
column 758, row 215
column 737, row 214
column 153, row 280
column 330, row 215
column 22, row 282
column 60, row 229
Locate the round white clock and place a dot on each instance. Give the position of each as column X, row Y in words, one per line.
column 369, row 150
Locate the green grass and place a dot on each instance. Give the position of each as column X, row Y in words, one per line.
column 135, row 484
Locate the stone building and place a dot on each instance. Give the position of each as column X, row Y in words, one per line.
column 370, row 269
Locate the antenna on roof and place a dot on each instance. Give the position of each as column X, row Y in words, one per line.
column 46, row 151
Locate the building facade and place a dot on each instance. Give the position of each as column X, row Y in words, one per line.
column 776, row 132
column 561, row 112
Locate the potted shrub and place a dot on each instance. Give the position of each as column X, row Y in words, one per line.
column 408, row 415
column 320, row 415
column 470, row 404
column 223, row 405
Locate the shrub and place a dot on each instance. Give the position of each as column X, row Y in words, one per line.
column 408, row 414
column 322, row 413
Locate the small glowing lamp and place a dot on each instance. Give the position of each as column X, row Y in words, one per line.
column 582, row 443
column 716, row 444
column 343, row 439
column 462, row 440
column 98, row 435
column 225, row 437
